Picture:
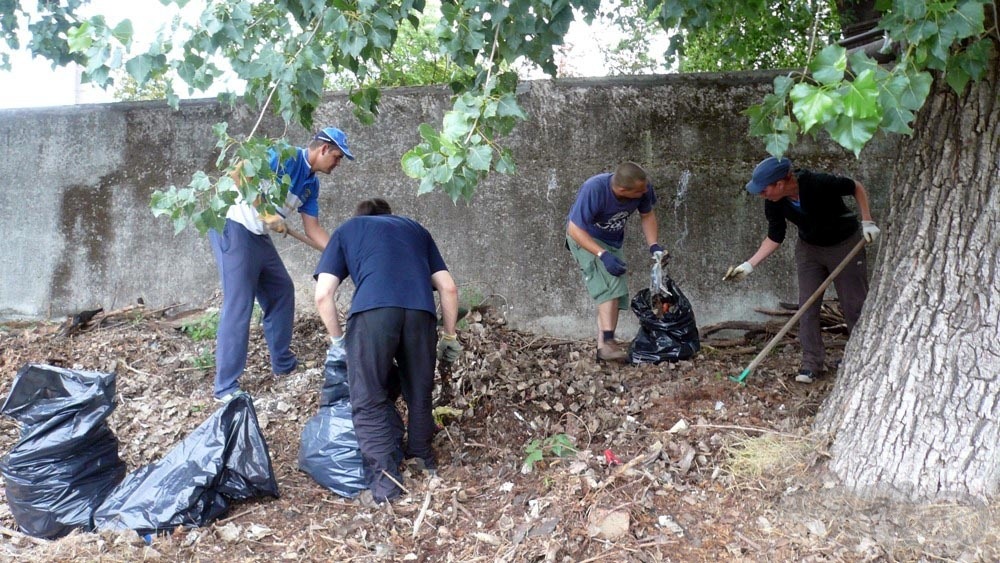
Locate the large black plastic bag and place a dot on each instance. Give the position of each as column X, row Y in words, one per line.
column 224, row 460
column 664, row 336
column 329, row 450
column 66, row 461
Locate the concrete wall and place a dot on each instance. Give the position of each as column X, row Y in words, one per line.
column 79, row 233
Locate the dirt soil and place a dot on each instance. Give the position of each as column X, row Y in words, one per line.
column 672, row 462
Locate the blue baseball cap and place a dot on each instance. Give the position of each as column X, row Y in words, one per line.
column 769, row 171
column 337, row 137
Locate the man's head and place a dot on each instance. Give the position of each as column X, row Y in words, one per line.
column 629, row 181
column 327, row 148
column 374, row 206
column 772, row 179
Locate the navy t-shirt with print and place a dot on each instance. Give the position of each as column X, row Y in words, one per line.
column 598, row 212
column 390, row 258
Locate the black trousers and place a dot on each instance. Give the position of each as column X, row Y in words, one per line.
column 375, row 340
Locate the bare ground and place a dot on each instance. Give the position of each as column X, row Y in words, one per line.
column 710, row 470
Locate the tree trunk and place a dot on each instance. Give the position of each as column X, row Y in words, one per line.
column 915, row 413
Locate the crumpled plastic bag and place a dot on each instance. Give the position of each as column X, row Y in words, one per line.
column 225, row 459
column 328, row 451
column 66, row 461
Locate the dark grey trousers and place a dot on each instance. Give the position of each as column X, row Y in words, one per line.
column 814, row 264
column 375, row 339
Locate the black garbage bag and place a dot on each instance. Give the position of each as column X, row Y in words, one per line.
column 667, row 329
column 66, row 461
column 328, row 451
column 224, row 460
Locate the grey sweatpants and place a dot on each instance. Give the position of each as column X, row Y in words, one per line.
column 814, row 264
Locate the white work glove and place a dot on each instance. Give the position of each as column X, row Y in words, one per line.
column 449, row 348
column 337, row 340
column 736, row 273
column 274, row 222
column 869, row 231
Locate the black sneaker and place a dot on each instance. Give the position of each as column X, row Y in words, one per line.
column 805, row 376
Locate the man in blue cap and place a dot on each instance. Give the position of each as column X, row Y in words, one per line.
column 250, row 267
column 828, row 231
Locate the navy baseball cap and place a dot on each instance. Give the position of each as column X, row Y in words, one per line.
column 769, row 171
column 337, row 137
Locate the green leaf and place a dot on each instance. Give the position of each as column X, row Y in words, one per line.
column 861, row 96
column 968, row 21
column 508, row 107
column 918, row 87
column 479, row 157
column 413, row 164
column 782, row 85
column 78, row 38
column 957, row 78
column 777, row 143
column 139, row 67
column 505, row 164
column 852, row 133
column 123, row 32
column 813, row 105
column 829, row 65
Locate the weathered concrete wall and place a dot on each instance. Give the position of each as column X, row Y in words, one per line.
column 79, row 233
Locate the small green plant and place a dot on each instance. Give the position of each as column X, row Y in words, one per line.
column 202, row 328
column 559, row 445
column 204, row 360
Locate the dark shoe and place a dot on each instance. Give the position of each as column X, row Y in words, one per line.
column 805, row 376
column 288, row 371
column 612, row 352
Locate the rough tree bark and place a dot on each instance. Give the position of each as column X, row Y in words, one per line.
column 915, row 413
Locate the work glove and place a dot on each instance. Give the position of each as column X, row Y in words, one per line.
column 869, row 231
column 738, row 272
column 654, row 248
column 612, row 263
column 274, row 222
column 449, row 348
column 338, row 340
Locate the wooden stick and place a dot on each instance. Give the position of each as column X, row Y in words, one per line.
column 14, row 534
column 302, row 238
column 798, row 314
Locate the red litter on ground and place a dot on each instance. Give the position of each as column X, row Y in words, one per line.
column 611, row 458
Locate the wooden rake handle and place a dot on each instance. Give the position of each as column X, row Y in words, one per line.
column 798, row 314
column 302, row 238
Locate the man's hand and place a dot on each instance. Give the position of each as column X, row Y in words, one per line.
column 869, row 231
column 274, row 222
column 612, row 263
column 737, row 273
column 449, row 348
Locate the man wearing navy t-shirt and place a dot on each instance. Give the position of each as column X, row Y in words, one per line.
column 395, row 266
column 595, row 232
column 250, row 267
column 828, row 231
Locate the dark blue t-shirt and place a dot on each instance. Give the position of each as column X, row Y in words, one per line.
column 390, row 258
column 601, row 214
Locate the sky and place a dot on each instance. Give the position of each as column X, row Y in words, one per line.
column 32, row 82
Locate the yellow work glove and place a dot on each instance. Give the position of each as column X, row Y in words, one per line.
column 274, row 222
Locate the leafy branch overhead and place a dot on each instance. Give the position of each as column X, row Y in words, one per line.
column 288, row 52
